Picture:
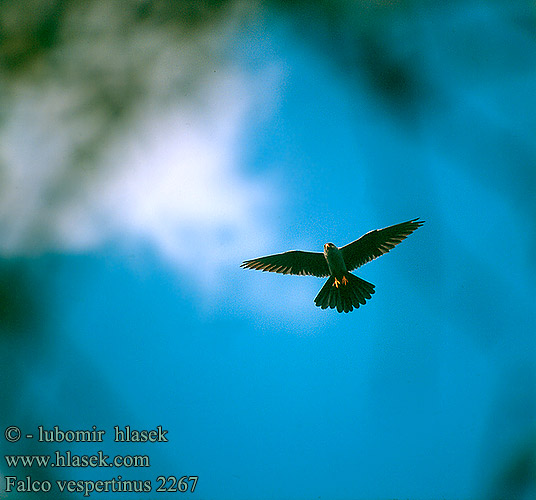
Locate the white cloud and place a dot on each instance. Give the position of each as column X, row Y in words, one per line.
column 174, row 180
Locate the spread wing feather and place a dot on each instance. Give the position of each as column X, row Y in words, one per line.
column 293, row 262
column 375, row 243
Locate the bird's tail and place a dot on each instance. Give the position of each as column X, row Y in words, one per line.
column 344, row 294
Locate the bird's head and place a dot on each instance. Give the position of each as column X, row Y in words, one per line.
column 328, row 247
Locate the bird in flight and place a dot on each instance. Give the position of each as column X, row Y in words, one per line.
column 342, row 290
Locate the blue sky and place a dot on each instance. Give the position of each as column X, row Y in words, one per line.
column 424, row 392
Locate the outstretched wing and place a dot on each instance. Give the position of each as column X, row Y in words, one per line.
column 293, row 262
column 376, row 243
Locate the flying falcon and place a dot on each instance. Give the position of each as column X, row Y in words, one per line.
column 342, row 290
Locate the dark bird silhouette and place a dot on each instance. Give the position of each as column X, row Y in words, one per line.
column 342, row 290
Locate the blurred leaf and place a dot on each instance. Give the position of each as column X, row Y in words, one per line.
column 20, row 310
column 518, row 479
